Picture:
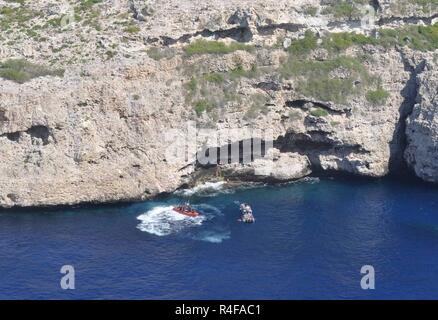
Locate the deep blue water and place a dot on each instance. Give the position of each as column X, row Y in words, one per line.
column 309, row 242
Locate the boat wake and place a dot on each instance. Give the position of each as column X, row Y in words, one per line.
column 216, row 236
column 164, row 221
column 208, row 211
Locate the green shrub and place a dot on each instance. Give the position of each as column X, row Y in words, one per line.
column 298, row 67
column 422, row 38
column 85, row 5
column 16, row 17
column 214, row 47
column 7, row 11
column 319, row 112
column 378, row 96
column 210, row 91
column 305, row 45
column 343, row 9
column 318, row 78
column 343, row 40
column 54, row 22
column 110, row 54
column 192, row 85
column 240, row 72
column 328, row 89
column 17, row 1
column 424, row 6
column 14, row 75
column 214, row 77
column 32, row 33
column 311, row 10
column 20, row 70
column 132, row 28
column 202, row 106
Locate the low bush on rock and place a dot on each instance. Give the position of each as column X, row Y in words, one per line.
column 20, row 70
column 214, row 47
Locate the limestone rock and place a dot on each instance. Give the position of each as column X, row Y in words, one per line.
column 422, row 128
column 104, row 131
column 275, row 167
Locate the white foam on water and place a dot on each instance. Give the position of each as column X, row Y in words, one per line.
column 310, row 180
column 204, row 188
column 163, row 221
column 208, row 210
column 213, row 236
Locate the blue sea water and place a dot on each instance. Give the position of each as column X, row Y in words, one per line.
column 310, row 241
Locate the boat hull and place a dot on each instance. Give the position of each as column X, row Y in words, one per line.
column 192, row 214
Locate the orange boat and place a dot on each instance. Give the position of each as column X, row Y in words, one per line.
column 186, row 210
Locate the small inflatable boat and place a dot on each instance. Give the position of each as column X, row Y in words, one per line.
column 186, row 210
column 246, row 214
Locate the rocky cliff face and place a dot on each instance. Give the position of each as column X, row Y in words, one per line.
column 422, row 148
column 103, row 90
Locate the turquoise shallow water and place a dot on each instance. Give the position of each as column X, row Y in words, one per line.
column 309, row 242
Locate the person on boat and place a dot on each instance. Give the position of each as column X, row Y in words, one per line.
column 186, row 209
column 248, row 218
column 247, row 215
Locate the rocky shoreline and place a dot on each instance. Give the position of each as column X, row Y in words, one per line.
column 90, row 106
